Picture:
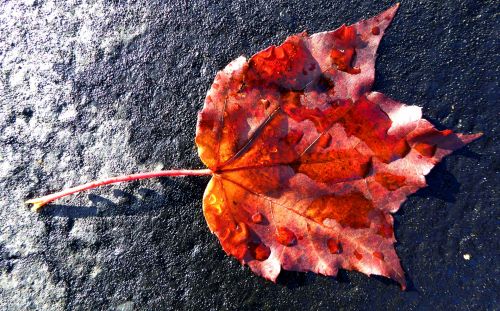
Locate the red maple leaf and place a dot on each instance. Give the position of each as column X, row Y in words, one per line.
column 307, row 163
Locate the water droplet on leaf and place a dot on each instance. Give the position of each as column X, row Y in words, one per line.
column 212, row 199
column 257, row 218
column 334, row 246
column 378, row 255
column 241, row 233
column 217, row 208
column 424, row 149
column 324, row 140
column 259, row 251
column 285, row 236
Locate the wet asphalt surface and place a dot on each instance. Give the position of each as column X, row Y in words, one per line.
column 95, row 89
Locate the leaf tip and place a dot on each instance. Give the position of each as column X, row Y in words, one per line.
column 472, row 137
column 393, row 9
column 384, row 18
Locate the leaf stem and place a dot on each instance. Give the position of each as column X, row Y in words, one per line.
column 38, row 203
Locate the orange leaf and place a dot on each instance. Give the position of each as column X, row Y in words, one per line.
column 308, row 163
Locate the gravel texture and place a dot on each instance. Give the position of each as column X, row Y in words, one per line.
column 91, row 89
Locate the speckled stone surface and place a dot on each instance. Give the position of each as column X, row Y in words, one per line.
column 90, row 89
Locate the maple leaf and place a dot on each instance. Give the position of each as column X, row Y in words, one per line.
column 307, row 164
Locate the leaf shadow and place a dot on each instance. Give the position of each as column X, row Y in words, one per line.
column 294, row 279
column 410, row 286
column 466, row 152
column 343, row 277
column 442, row 184
column 137, row 201
column 128, row 205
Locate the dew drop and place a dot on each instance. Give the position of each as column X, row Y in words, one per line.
column 285, row 236
column 212, row 199
column 375, row 31
column 217, row 208
column 274, row 149
column 334, row 246
column 378, row 255
column 426, row 150
column 401, row 148
column 257, row 218
column 324, row 141
column 241, row 233
column 259, row 251
column 268, row 53
column 385, row 230
column 358, row 255
column 266, row 103
column 225, row 234
column 280, row 53
column 294, row 137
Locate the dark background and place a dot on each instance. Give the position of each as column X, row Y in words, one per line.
column 90, row 90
